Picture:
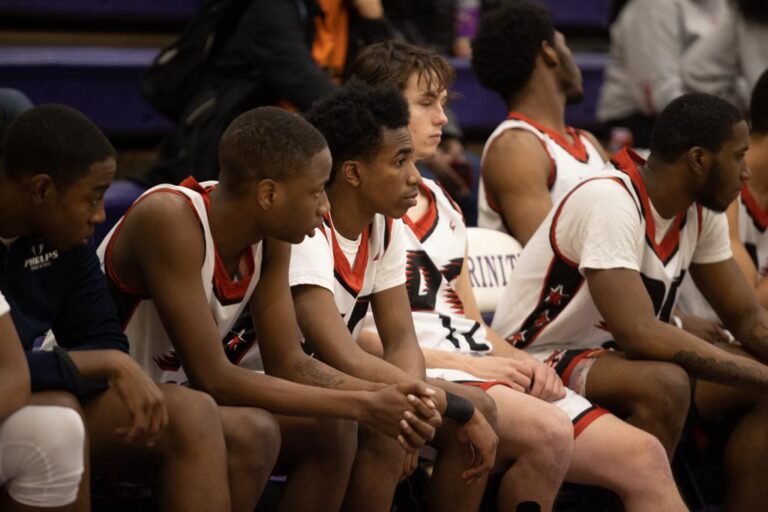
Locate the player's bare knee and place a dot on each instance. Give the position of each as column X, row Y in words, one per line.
column 384, row 450
column 554, row 432
column 193, row 419
column 253, row 438
column 337, row 440
column 550, row 441
column 646, row 455
column 667, row 393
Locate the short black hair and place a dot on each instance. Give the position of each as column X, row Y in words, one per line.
column 266, row 143
column 758, row 105
column 692, row 120
column 352, row 119
column 506, row 45
column 56, row 140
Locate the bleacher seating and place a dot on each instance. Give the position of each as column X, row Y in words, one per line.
column 108, row 10
column 591, row 15
column 103, row 83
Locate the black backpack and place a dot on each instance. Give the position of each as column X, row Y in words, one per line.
column 180, row 69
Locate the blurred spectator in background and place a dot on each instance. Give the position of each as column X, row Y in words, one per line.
column 643, row 74
column 12, row 103
column 728, row 62
column 282, row 52
column 457, row 169
column 425, row 23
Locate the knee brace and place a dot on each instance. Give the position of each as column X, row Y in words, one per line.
column 41, row 455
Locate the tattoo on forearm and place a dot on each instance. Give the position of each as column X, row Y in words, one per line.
column 319, row 374
column 722, row 372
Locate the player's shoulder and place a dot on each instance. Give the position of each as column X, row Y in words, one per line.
column 603, row 193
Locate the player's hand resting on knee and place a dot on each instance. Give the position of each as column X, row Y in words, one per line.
column 481, row 441
column 516, row 374
column 405, row 412
column 142, row 397
column 546, row 383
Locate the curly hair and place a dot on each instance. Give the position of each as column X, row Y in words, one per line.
column 56, row 140
column 393, row 62
column 266, row 142
column 758, row 105
column 507, row 43
column 693, row 120
column 352, row 119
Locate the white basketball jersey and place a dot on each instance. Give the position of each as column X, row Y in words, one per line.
column 435, row 246
column 570, row 163
column 378, row 265
column 150, row 345
column 546, row 303
column 753, row 222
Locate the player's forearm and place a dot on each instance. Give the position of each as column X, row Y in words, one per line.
column 310, row 371
column 245, row 388
column 664, row 342
column 407, row 357
column 762, row 293
column 99, row 364
column 752, row 332
column 444, row 359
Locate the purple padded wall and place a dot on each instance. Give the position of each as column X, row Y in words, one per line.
column 480, row 109
column 123, row 10
column 101, row 82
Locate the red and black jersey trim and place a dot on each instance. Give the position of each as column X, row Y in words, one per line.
column 758, row 215
column 226, row 290
column 387, row 232
column 358, row 312
column 453, row 203
column 583, row 420
column 351, row 278
column 562, row 282
column 425, row 226
column 626, row 161
column 577, row 149
column 138, row 291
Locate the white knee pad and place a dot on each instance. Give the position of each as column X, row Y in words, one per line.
column 41, row 455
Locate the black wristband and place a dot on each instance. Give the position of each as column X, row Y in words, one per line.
column 68, row 367
column 458, row 409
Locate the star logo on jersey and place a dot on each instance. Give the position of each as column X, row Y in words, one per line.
column 236, row 340
column 518, row 337
column 543, row 319
column 453, row 225
column 602, row 325
column 556, row 295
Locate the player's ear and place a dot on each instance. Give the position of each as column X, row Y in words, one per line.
column 549, row 54
column 700, row 160
column 266, row 193
column 42, row 187
column 350, row 172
